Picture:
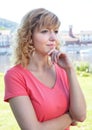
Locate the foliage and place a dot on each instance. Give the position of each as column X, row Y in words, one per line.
column 82, row 66
column 84, row 74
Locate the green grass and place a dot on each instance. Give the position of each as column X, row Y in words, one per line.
column 8, row 122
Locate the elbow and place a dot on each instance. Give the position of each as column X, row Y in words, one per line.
column 80, row 118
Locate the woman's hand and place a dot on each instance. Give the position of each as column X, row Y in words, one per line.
column 60, row 58
column 74, row 123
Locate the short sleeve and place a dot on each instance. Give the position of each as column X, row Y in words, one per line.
column 14, row 85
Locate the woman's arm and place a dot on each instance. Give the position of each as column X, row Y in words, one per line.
column 27, row 120
column 77, row 101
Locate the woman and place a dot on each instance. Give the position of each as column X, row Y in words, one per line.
column 42, row 88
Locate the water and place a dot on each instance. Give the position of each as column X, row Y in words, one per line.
column 5, row 60
column 79, row 53
column 5, row 63
column 81, row 57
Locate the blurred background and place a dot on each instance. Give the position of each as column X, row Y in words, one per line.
column 75, row 31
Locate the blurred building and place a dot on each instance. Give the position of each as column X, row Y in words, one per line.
column 5, row 41
column 85, row 37
column 69, row 38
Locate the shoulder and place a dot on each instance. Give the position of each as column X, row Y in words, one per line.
column 14, row 68
column 61, row 72
column 14, row 71
column 59, row 69
column 14, row 83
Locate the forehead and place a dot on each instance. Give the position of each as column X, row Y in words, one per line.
column 47, row 24
column 45, row 27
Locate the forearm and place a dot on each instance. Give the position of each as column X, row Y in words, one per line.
column 59, row 123
column 77, row 100
column 29, row 121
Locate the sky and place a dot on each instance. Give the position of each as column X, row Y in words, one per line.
column 77, row 13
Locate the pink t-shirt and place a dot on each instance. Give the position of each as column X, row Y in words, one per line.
column 48, row 102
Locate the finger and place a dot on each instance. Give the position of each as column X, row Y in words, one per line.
column 55, row 56
column 51, row 51
column 52, row 54
column 74, row 124
column 58, row 55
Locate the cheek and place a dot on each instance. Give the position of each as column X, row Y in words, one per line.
column 40, row 40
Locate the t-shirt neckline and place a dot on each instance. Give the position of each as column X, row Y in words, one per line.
column 38, row 81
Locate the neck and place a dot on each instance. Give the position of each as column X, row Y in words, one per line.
column 39, row 62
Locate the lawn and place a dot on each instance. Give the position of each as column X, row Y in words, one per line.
column 8, row 122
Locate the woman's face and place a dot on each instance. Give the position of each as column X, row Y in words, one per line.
column 44, row 40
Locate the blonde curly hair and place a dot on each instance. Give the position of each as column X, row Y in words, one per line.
column 35, row 19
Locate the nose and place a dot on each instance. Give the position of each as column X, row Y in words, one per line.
column 53, row 36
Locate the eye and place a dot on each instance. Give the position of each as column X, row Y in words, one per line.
column 56, row 31
column 44, row 31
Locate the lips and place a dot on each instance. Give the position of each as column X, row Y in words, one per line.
column 51, row 45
